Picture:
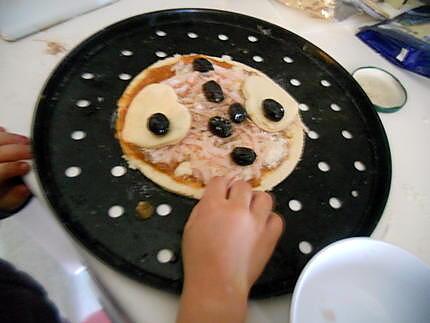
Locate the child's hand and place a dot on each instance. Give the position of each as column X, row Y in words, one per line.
column 227, row 242
column 13, row 148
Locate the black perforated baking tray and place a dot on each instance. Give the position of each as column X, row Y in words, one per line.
column 338, row 189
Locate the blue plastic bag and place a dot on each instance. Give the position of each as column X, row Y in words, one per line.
column 403, row 40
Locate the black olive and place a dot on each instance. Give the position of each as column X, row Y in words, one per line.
column 158, row 124
column 237, row 113
column 212, row 91
column 202, row 65
column 220, row 127
column 273, row 110
column 243, row 156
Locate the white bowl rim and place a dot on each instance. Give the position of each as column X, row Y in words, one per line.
column 295, row 300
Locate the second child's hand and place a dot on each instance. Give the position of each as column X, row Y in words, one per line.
column 14, row 149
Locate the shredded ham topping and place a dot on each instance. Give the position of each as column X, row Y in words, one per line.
column 208, row 154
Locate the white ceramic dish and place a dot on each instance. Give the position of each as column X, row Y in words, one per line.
column 360, row 280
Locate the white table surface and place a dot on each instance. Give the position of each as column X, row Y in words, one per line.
column 25, row 66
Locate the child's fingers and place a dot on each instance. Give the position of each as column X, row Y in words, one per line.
column 14, row 197
column 261, row 205
column 14, row 152
column 13, row 169
column 241, row 191
column 216, row 188
column 275, row 227
column 10, row 138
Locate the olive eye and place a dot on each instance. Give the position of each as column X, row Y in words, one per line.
column 158, row 124
column 237, row 113
column 273, row 110
column 213, row 91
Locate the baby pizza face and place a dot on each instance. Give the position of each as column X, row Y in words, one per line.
column 186, row 119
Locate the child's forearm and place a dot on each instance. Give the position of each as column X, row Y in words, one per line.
column 209, row 304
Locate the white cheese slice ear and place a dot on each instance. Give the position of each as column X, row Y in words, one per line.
column 155, row 98
column 256, row 89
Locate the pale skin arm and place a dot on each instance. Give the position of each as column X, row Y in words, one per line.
column 228, row 239
column 13, row 149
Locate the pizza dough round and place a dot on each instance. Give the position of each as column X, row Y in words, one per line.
column 269, row 179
